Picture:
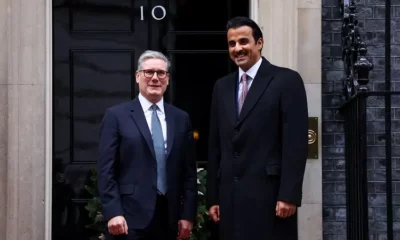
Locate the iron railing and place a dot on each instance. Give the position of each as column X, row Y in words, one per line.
column 354, row 109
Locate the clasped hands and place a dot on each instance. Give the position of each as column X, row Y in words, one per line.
column 118, row 226
column 282, row 210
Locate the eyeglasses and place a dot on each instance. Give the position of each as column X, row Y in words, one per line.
column 148, row 73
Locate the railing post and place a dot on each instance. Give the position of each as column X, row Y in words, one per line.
column 361, row 171
column 355, row 92
column 388, row 121
column 355, row 113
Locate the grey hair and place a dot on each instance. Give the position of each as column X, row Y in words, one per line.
column 150, row 54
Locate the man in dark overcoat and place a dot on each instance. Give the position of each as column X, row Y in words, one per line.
column 258, row 143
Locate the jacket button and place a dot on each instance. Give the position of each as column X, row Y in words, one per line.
column 236, row 179
column 236, row 154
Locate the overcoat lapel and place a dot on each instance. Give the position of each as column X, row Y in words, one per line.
column 230, row 99
column 258, row 86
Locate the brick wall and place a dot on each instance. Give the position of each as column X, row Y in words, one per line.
column 371, row 14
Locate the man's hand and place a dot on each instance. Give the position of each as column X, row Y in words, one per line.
column 184, row 229
column 285, row 209
column 117, row 226
column 214, row 213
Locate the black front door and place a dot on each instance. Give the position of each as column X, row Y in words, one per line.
column 96, row 47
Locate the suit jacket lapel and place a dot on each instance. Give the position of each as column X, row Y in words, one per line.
column 140, row 120
column 260, row 82
column 169, row 117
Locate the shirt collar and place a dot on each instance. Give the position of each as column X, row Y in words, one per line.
column 252, row 71
column 146, row 104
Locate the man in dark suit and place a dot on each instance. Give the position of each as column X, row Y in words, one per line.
column 258, row 143
column 147, row 162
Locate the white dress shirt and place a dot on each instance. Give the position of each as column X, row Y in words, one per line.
column 251, row 73
column 148, row 111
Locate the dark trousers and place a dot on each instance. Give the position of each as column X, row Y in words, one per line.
column 158, row 228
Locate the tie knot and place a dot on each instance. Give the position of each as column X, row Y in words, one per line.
column 154, row 107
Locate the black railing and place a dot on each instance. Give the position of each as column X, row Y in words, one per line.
column 354, row 109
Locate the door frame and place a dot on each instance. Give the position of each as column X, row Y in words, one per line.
column 49, row 110
column 48, row 119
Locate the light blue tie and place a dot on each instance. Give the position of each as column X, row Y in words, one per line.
column 159, row 149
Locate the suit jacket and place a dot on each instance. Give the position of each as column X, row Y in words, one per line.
column 127, row 167
column 258, row 157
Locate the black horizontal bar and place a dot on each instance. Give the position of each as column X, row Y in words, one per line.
column 197, row 32
column 368, row 94
column 80, row 200
column 383, row 93
column 176, row 51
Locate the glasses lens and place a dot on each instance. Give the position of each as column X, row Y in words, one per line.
column 150, row 73
column 161, row 74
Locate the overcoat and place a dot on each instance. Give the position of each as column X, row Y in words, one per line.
column 258, row 157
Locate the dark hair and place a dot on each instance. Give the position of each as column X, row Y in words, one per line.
column 237, row 22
